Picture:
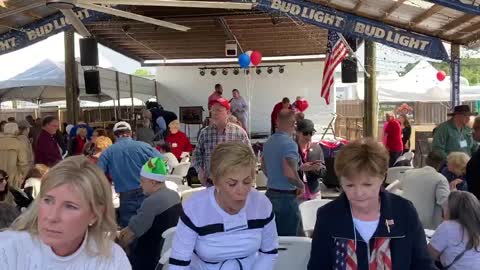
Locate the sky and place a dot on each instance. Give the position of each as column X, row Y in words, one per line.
column 53, row 48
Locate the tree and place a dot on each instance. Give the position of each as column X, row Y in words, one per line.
column 469, row 68
column 142, row 73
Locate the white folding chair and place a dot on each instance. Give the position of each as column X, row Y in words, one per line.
column 308, row 211
column 181, row 169
column 167, row 246
column 261, row 180
column 293, row 253
column 407, row 156
column 188, row 193
column 175, row 179
column 396, row 173
column 393, row 186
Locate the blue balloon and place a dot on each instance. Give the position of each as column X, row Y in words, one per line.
column 244, row 60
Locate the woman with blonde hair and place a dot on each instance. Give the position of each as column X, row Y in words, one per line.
column 456, row 242
column 101, row 144
column 366, row 227
column 34, row 180
column 179, row 142
column 456, row 169
column 70, row 225
column 79, row 141
column 229, row 225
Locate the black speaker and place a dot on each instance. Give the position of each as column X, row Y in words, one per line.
column 349, row 70
column 92, row 81
column 349, row 65
column 88, row 52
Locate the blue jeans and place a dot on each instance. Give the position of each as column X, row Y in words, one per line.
column 130, row 201
column 287, row 213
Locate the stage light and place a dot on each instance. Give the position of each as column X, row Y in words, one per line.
column 202, row 72
column 225, row 72
column 269, row 70
column 236, row 71
column 247, row 71
column 281, row 69
column 258, row 71
column 213, row 72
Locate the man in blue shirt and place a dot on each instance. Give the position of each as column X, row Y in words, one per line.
column 123, row 161
column 280, row 164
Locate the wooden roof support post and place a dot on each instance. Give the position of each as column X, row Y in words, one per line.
column 130, row 78
column 118, row 114
column 156, row 91
column 370, row 122
column 455, row 75
column 71, row 78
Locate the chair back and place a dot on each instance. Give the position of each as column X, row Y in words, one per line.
column 396, row 173
column 293, row 253
column 393, row 186
column 188, row 193
column 185, row 159
column 167, row 246
column 175, row 179
column 308, row 211
column 181, row 169
column 261, row 180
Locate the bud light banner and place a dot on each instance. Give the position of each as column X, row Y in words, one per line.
column 362, row 28
column 42, row 29
column 468, row 6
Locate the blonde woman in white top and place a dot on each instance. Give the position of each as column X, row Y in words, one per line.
column 69, row 226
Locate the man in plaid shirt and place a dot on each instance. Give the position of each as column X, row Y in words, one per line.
column 219, row 132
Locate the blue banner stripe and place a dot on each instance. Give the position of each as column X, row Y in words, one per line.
column 468, row 6
column 37, row 31
column 359, row 27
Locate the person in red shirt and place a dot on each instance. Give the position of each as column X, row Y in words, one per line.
column 178, row 140
column 47, row 150
column 393, row 137
column 215, row 95
column 284, row 104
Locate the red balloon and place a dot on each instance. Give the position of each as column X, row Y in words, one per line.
column 441, row 75
column 256, row 58
column 301, row 105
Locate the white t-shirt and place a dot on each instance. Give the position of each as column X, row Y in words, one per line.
column 22, row 251
column 450, row 240
column 365, row 228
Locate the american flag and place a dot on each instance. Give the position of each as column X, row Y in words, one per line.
column 345, row 256
column 336, row 52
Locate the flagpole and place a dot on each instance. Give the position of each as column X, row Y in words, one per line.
column 353, row 53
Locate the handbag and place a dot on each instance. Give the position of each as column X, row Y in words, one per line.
column 458, row 257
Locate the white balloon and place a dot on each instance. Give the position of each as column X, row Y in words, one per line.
column 249, row 53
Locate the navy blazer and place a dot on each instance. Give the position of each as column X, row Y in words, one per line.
column 408, row 244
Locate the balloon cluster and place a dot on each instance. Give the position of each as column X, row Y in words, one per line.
column 250, row 57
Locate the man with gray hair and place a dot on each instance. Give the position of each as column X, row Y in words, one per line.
column 280, row 164
column 428, row 190
column 123, row 161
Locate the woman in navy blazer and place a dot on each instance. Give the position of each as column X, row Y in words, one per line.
column 367, row 228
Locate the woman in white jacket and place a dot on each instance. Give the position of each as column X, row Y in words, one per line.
column 69, row 226
column 229, row 226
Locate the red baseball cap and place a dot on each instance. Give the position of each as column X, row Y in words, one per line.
column 222, row 102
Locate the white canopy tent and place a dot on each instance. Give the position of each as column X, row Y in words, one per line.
column 418, row 85
column 45, row 82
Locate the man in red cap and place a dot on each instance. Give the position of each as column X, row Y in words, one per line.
column 219, row 131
